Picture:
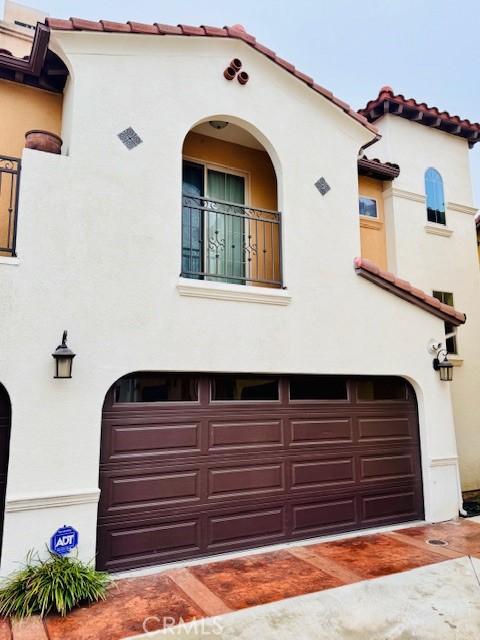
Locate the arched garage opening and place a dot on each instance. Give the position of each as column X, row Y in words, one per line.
column 195, row 464
column 5, row 427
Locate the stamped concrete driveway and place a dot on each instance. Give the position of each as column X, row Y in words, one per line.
column 416, row 582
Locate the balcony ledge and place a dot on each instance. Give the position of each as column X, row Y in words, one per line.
column 240, row 293
column 7, row 260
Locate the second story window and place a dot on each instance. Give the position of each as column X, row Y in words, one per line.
column 434, row 196
column 368, row 207
column 447, row 298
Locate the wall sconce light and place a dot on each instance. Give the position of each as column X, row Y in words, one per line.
column 63, row 359
column 442, row 364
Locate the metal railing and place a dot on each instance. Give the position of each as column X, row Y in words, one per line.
column 9, row 186
column 228, row 242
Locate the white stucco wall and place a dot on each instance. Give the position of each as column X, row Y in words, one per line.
column 99, row 250
column 433, row 262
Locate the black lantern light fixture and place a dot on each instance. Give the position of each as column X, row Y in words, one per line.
column 63, row 359
column 442, row 364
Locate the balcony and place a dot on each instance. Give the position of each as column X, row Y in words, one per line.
column 9, row 185
column 229, row 242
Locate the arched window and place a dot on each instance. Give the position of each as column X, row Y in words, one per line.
column 231, row 228
column 435, row 197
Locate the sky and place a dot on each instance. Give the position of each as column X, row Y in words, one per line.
column 426, row 49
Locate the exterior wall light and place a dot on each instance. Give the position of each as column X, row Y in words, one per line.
column 442, row 364
column 63, row 359
column 218, row 124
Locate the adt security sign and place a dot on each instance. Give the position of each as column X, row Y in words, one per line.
column 64, row 540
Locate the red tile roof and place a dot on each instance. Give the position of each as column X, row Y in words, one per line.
column 408, row 292
column 396, row 104
column 375, row 168
column 236, row 31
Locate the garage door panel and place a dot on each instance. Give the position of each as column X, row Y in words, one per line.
column 144, row 440
column 312, row 474
column 147, row 543
column 385, row 428
column 314, row 518
column 394, row 505
column 255, row 526
column 148, row 489
column 387, row 467
column 252, row 480
column 320, row 431
column 246, row 435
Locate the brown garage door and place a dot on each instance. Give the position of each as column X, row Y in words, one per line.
column 201, row 464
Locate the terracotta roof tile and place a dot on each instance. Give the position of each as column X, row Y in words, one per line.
column 285, row 64
column 374, row 168
column 325, row 92
column 188, row 30
column 116, row 27
column 307, row 79
column 343, row 105
column 265, row 50
column 215, row 31
column 396, row 104
column 168, row 29
column 140, row 27
column 403, row 288
column 86, row 25
column 236, row 31
column 58, row 24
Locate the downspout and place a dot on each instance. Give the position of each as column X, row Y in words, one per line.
column 368, row 144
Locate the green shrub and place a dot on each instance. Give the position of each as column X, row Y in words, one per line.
column 54, row 585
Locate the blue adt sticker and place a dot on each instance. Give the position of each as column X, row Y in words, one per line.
column 64, row 540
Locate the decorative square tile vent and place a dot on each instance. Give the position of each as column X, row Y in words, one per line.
column 322, row 185
column 130, row 138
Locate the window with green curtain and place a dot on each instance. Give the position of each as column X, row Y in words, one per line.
column 225, row 230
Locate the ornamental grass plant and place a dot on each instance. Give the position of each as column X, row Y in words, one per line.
column 55, row 585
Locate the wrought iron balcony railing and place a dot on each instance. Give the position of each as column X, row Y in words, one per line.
column 229, row 242
column 9, row 185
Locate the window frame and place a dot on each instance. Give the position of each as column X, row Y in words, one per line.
column 363, row 216
column 322, row 401
column 441, row 295
column 211, row 400
column 162, row 403
column 361, row 401
column 440, row 215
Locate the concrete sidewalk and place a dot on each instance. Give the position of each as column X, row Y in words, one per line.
column 438, row 602
column 352, row 564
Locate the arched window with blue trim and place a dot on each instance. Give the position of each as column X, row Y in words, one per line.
column 435, row 197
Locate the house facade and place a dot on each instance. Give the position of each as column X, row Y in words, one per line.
column 247, row 368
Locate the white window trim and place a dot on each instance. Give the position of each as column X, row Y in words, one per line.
column 238, row 292
column 437, row 229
